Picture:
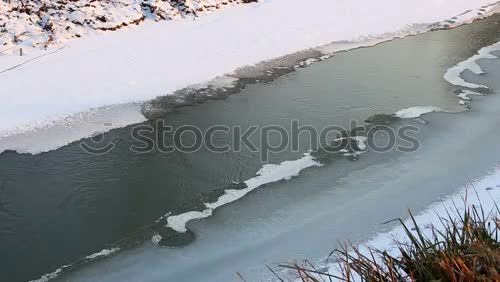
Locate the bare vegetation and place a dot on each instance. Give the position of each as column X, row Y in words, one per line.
column 465, row 248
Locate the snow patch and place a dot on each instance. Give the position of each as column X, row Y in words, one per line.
column 269, row 173
column 453, row 74
column 57, row 272
column 464, row 94
column 50, row 276
column 178, row 222
column 103, row 253
column 415, row 112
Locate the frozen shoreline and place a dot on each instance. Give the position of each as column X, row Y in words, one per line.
column 97, row 71
column 483, row 192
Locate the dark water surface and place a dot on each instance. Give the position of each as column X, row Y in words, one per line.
column 62, row 205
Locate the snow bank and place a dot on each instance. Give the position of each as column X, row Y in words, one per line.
column 158, row 58
column 484, row 192
column 269, row 173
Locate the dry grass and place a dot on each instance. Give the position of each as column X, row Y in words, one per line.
column 466, row 248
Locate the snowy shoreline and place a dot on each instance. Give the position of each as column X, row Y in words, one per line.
column 143, row 70
column 483, row 192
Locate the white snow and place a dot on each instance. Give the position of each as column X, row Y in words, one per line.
column 36, row 24
column 157, row 58
column 415, row 112
column 50, row 276
column 484, row 192
column 103, row 253
column 469, row 16
column 178, row 222
column 452, row 75
column 53, row 275
column 269, row 173
column 464, row 94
